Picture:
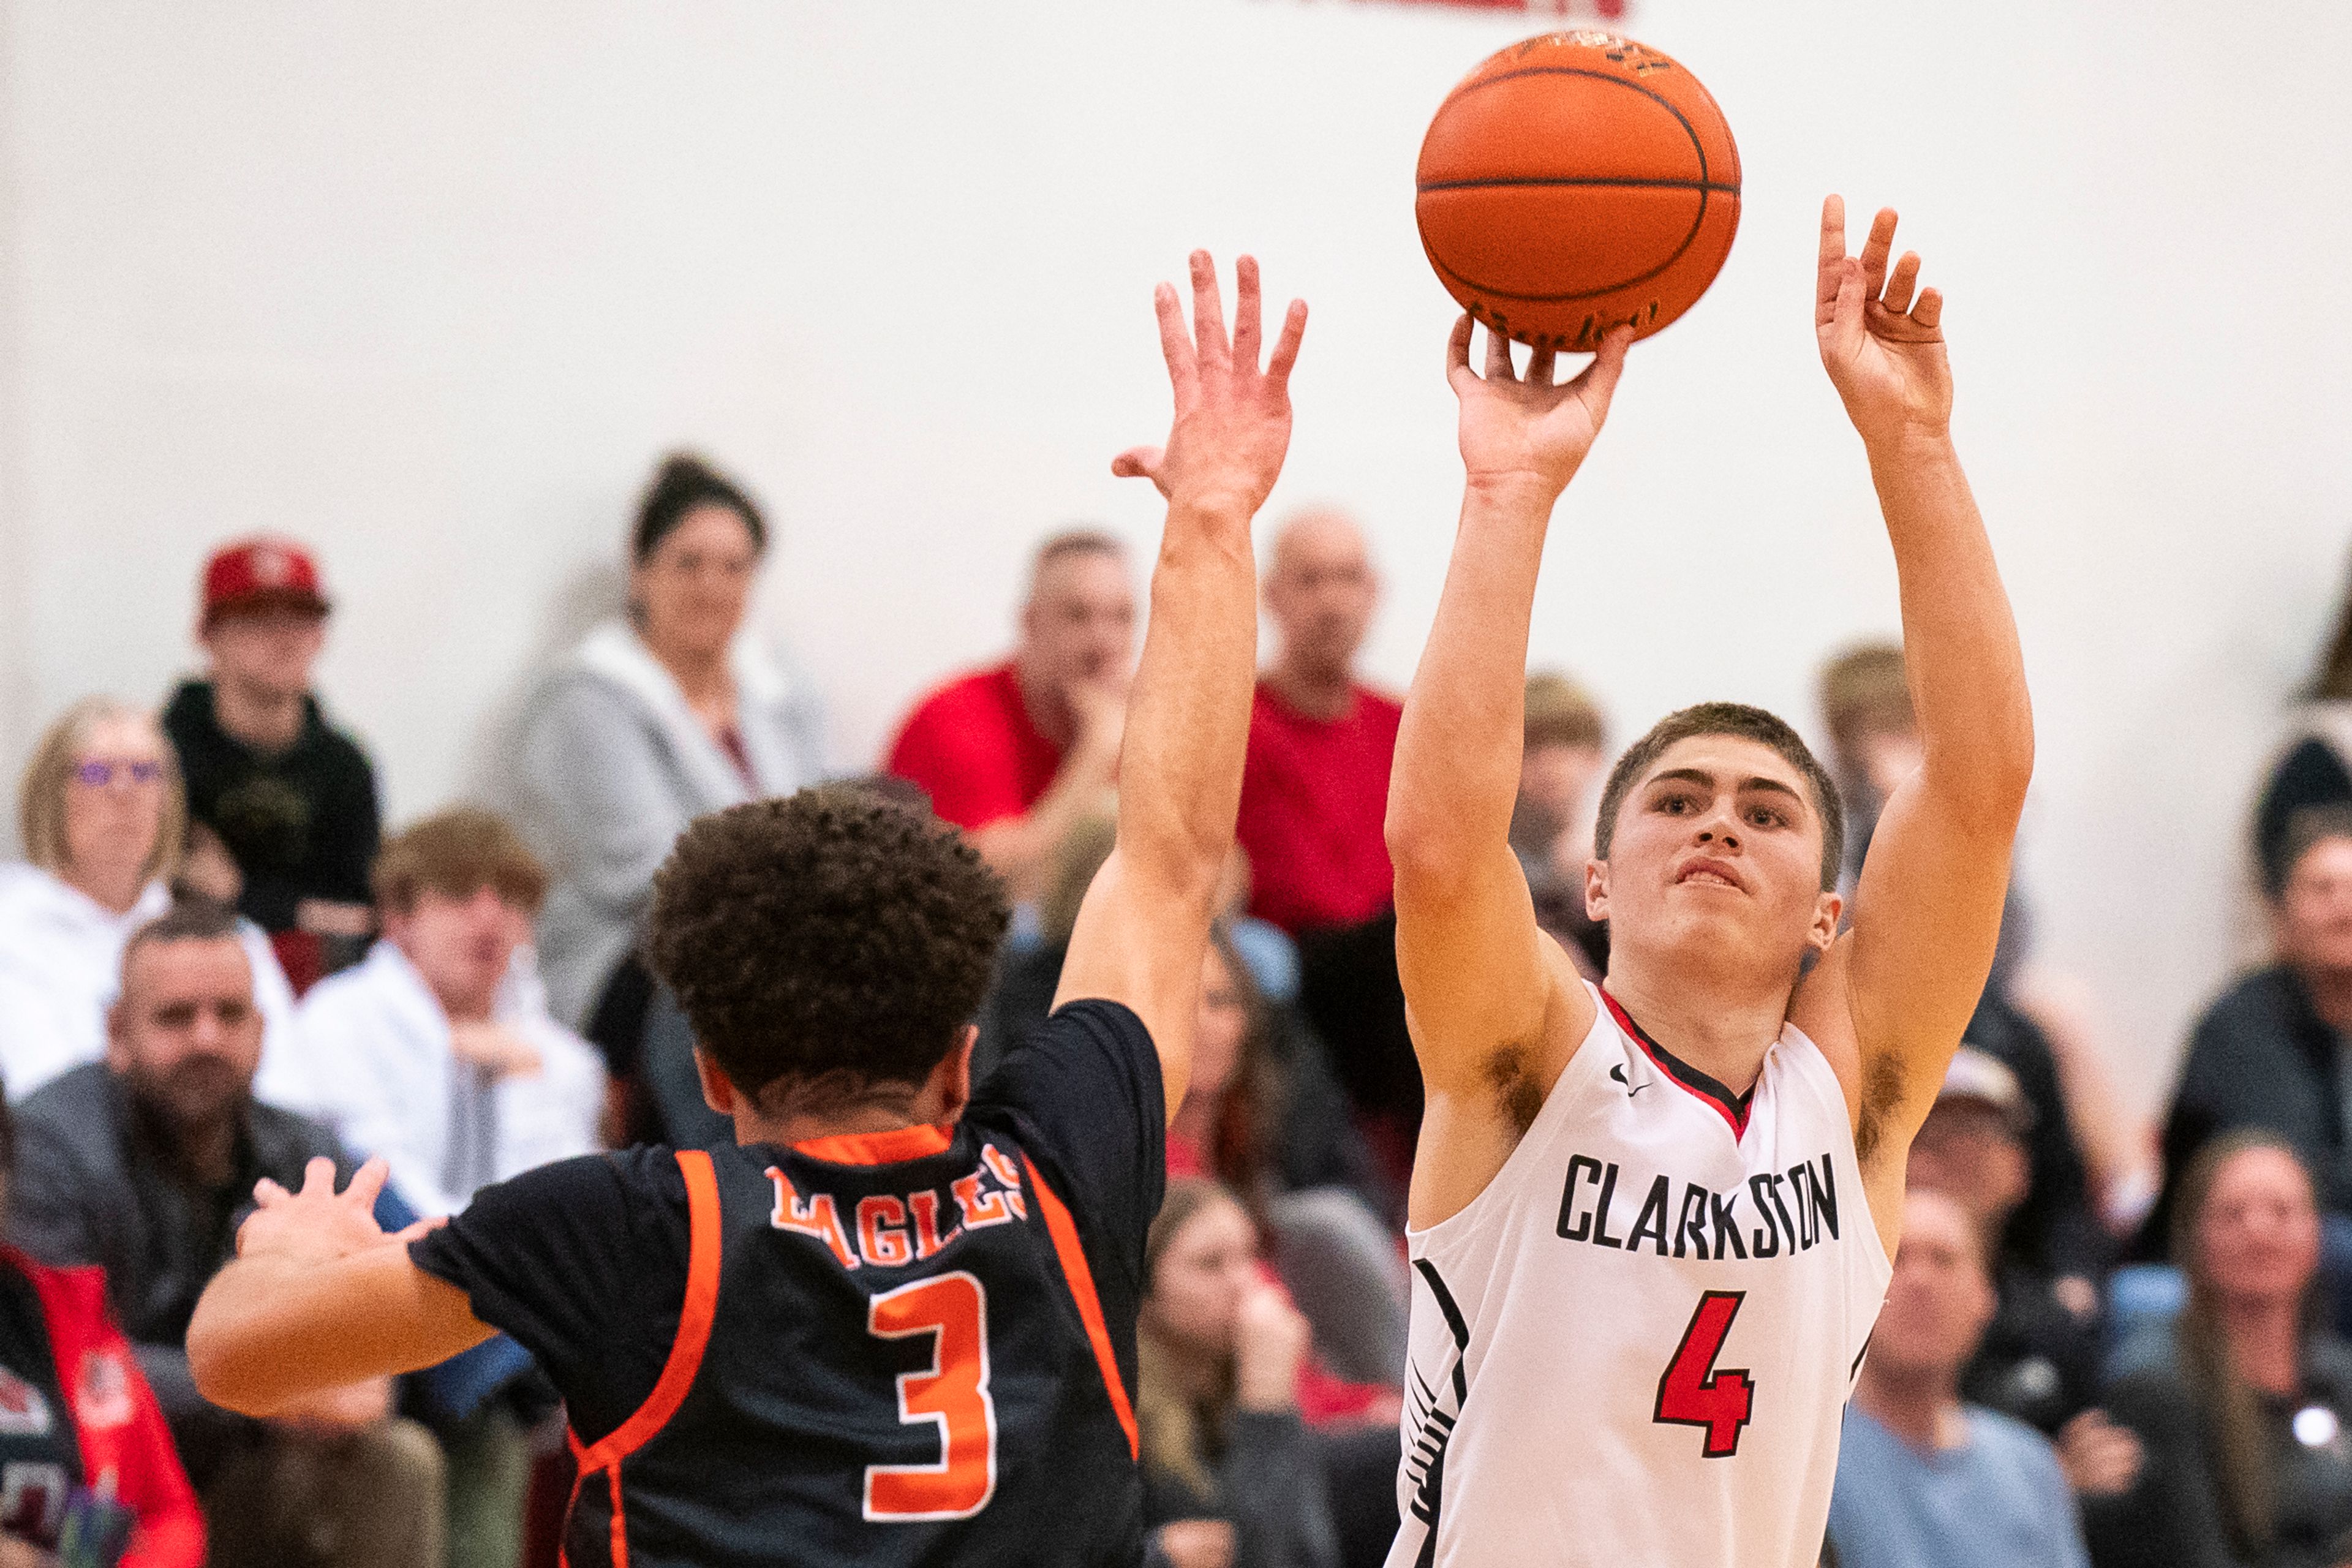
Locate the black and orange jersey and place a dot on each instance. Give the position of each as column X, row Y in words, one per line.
column 898, row 1349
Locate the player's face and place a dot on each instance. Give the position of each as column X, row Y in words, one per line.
column 184, row 1033
column 2258, row 1237
column 1196, row 1292
column 461, row 946
column 691, row 592
column 1079, row 627
column 2315, row 913
column 1219, row 1030
column 1940, row 1300
column 1716, row 858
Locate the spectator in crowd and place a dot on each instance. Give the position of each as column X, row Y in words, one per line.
column 1232, row 1476
column 2248, row 1422
column 2315, row 766
column 1315, row 793
column 1016, row 753
column 2038, row 1358
column 102, row 817
column 1560, row 771
column 2095, row 1168
column 143, row 1165
column 289, row 798
column 84, row 1440
column 1922, row 1479
column 651, row 722
column 438, row 1054
column 2268, row 1053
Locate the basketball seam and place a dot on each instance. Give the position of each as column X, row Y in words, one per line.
column 1503, row 180
column 1704, row 187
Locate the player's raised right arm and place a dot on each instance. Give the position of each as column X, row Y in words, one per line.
column 1477, row 978
column 1143, row 928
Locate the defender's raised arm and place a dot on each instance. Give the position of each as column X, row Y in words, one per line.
column 1144, row 925
column 1927, row 910
column 1478, row 974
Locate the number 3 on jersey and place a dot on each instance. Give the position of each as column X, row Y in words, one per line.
column 951, row 1394
column 1691, row 1393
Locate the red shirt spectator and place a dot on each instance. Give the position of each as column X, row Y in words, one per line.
column 1313, row 792
column 1017, row 753
column 973, row 745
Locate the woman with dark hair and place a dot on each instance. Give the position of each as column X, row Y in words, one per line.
column 2315, row 766
column 652, row 720
column 88, row 1473
column 1232, row 1476
column 2247, row 1424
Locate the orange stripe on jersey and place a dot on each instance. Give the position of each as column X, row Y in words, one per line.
column 1064, row 1232
column 914, row 1143
column 694, row 1319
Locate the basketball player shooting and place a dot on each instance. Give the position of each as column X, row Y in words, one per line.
column 1651, row 1221
column 895, row 1321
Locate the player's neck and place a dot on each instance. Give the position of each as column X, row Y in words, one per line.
column 1923, row 1408
column 1721, row 1029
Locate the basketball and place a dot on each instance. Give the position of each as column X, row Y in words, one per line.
column 1575, row 182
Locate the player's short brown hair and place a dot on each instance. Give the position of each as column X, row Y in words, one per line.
column 834, row 941
column 1864, row 691
column 1561, row 712
column 1747, row 723
column 457, row 853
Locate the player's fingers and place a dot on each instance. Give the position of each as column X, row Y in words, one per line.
column 1876, row 250
column 1842, row 326
column 366, row 1182
column 1930, row 311
column 1286, row 347
column 1498, row 356
column 1902, row 282
column 1138, row 462
column 1208, row 313
column 1597, row 383
column 1832, row 233
column 1458, row 347
column 1175, row 343
column 420, row 1229
column 1539, row 365
column 1246, row 308
column 318, row 1177
column 269, row 1194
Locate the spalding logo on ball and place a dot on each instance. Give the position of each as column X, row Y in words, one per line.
column 1576, row 181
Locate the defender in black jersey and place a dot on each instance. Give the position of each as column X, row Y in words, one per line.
column 895, row 1322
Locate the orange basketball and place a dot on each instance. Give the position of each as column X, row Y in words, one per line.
column 1574, row 182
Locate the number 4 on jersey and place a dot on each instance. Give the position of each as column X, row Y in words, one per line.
column 1691, row 1393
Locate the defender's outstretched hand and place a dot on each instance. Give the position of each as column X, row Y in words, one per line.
column 1233, row 419
column 1883, row 349
column 318, row 1224
column 1523, row 426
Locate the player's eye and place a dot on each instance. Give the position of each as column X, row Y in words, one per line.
column 1768, row 817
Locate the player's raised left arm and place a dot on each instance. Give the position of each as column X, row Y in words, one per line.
column 319, row 1297
column 1927, row 910
column 1143, row 928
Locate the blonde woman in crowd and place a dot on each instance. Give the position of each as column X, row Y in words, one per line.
column 104, row 823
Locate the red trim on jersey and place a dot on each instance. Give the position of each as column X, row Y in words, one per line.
column 915, row 1142
column 694, row 1319
column 1734, row 1113
column 1064, row 1232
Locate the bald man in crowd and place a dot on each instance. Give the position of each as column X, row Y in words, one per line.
column 1313, row 792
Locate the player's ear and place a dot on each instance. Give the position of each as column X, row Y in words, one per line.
column 1827, row 909
column 951, row 1079
column 1596, row 890
column 717, row 1092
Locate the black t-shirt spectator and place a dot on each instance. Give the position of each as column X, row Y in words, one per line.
column 2053, row 1231
column 300, row 824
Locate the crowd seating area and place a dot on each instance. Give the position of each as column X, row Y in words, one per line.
column 2106, row 1342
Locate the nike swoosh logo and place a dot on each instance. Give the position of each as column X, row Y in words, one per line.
column 1618, row 1072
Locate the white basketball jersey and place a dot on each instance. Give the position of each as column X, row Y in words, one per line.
column 1634, row 1348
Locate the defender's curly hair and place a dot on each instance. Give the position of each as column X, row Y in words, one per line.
column 830, row 943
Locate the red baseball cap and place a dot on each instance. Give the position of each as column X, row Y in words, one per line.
column 261, row 570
